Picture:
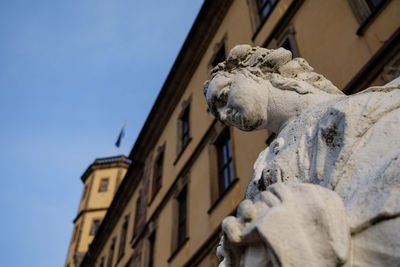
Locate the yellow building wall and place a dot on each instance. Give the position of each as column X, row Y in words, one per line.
column 99, row 199
column 93, row 205
column 87, row 221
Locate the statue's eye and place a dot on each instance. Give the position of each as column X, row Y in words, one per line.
column 222, row 98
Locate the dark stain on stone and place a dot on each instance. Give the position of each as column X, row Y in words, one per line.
column 330, row 135
column 261, row 184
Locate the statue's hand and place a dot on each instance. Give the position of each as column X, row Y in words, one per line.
column 298, row 224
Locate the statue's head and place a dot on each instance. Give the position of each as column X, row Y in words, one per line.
column 237, row 92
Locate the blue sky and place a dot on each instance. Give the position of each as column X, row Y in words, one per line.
column 71, row 72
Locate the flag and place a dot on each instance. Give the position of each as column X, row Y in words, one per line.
column 121, row 135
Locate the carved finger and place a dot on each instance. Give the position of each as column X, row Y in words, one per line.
column 233, row 229
column 268, row 198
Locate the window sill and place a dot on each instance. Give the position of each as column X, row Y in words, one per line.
column 371, row 18
column 219, row 199
column 181, row 152
column 180, row 246
column 154, row 196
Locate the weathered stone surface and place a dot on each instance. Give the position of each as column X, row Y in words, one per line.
column 326, row 192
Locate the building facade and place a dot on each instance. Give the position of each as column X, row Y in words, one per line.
column 189, row 171
column 100, row 182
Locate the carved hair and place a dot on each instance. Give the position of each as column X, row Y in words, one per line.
column 275, row 65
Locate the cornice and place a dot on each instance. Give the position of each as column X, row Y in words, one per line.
column 104, row 163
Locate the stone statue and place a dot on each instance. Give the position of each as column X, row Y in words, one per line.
column 326, row 192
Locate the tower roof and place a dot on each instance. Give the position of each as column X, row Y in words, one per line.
column 108, row 162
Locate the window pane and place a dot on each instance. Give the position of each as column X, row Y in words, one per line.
column 181, row 216
column 224, row 153
column 103, row 185
column 184, row 129
column 261, row 3
column 231, row 176
column 152, row 239
column 265, row 11
column 376, row 2
column 219, row 57
column 229, row 149
column 226, row 178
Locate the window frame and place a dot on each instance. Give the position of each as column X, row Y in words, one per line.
column 185, row 127
column 365, row 12
column 287, row 34
column 122, row 238
column 137, row 216
column 111, row 253
column 180, row 206
column 93, row 231
column 223, row 145
column 258, row 21
column 262, row 6
column 182, row 216
column 218, row 49
column 158, row 168
column 75, row 233
column 104, row 188
column 152, row 244
column 85, row 189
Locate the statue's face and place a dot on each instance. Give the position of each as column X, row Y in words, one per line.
column 239, row 100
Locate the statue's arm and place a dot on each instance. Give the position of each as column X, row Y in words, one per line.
column 295, row 224
column 258, row 167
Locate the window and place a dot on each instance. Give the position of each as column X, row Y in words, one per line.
column 225, row 164
column 84, row 192
column 95, row 226
column 219, row 53
column 75, row 233
column 158, row 169
column 152, row 240
column 179, row 229
column 111, row 253
column 265, row 8
column 374, row 4
column 220, row 56
column 286, row 39
column 122, row 239
column 101, row 262
column 288, row 46
column 103, row 185
column 182, row 203
column 183, row 128
column 391, row 70
column 137, row 216
column 365, row 11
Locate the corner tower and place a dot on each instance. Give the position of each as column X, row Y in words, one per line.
column 101, row 180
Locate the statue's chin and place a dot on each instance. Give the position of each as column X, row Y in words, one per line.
column 250, row 125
